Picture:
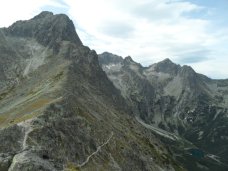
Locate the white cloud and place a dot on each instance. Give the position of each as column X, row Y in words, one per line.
column 11, row 10
column 151, row 30
column 148, row 30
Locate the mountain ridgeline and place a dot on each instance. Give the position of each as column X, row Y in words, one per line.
column 63, row 107
column 174, row 98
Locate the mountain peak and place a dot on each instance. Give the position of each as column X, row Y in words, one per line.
column 128, row 59
column 47, row 28
column 166, row 66
column 43, row 14
column 109, row 58
column 187, row 71
column 167, row 60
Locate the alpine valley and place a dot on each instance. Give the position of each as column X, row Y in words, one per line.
column 63, row 107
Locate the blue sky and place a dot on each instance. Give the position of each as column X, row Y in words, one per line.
column 191, row 32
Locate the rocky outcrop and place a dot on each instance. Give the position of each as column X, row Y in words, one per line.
column 107, row 58
column 46, row 28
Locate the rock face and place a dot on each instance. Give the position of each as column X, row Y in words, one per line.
column 175, row 99
column 46, row 28
column 59, row 110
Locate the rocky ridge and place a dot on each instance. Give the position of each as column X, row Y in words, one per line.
column 176, row 99
column 59, row 110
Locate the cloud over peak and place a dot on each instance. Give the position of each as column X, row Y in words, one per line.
column 186, row 31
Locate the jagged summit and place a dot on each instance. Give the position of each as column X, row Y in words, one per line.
column 167, row 61
column 47, row 28
column 109, row 58
column 129, row 62
column 43, row 14
column 177, row 99
column 128, row 59
column 166, row 66
column 187, row 71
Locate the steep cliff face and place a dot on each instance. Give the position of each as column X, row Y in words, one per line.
column 46, row 28
column 176, row 99
column 58, row 109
